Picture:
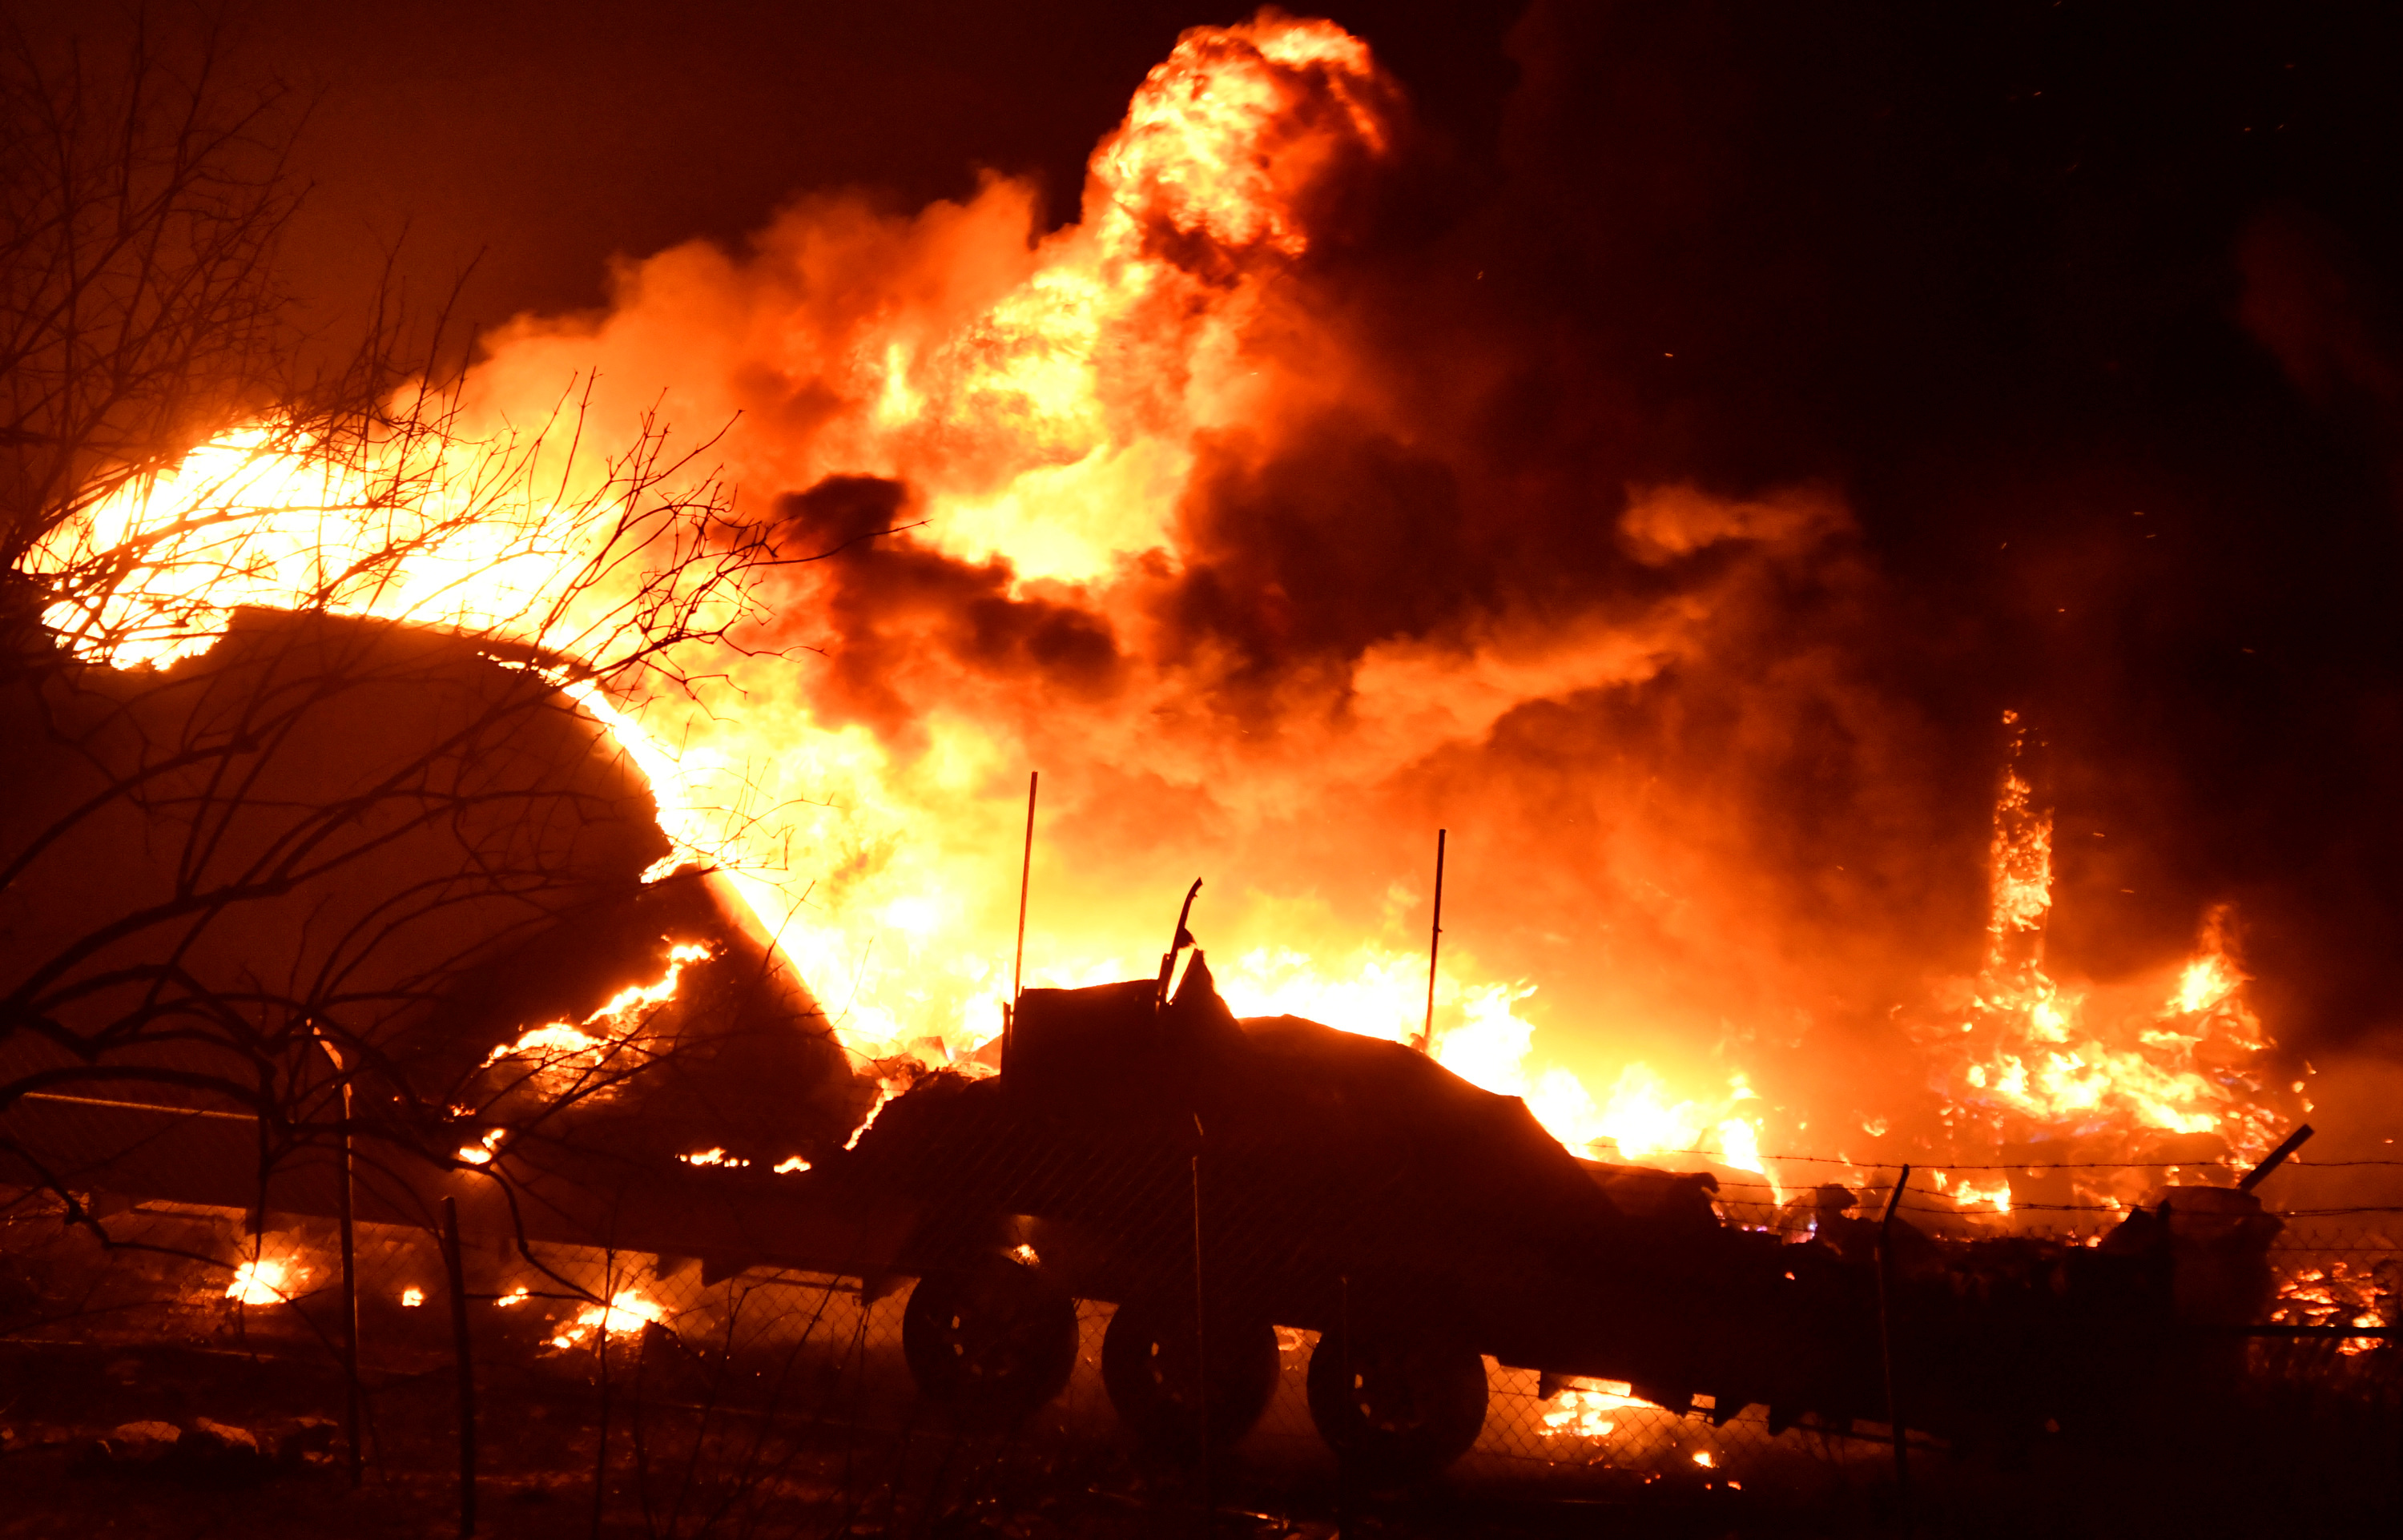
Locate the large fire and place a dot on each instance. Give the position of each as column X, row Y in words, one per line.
column 2034, row 1061
column 1089, row 441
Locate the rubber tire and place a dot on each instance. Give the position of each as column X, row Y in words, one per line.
column 1148, row 1362
column 1413, row 1404
column 995, row 1338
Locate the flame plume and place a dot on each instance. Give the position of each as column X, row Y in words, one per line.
column 2040, row 1061
column 1154, row 500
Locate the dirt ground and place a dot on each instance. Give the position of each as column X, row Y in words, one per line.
column 785, row 1411
column 539, row 1437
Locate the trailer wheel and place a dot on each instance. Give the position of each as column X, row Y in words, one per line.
column 1396, row 1408
column 1148, row 1366
column 993, row 1337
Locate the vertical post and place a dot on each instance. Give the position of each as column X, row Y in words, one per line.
column 1434, row 946
column 454, row 1265
column 350, row 1301
column 1343, row 1337
column 343, row 1215
column 1201, row 1343
column 600, row 1369
column 1889, row 1304
column 1025, row 881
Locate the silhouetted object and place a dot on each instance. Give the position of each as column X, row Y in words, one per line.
column 1888, row 1302
column 1354, row 1187
column 455, row 1272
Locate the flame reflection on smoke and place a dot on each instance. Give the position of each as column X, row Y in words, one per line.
column 1069, row 417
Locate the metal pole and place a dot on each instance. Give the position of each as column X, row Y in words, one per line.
column 454, row 1265
column 1888, row 1306
column 350, row 1301
column 350, row 1418
column 1351, row 1401
column 1434, row 946
column 1178, row 943
column 1200, row 1346
column 2276, row 1159
column 1018, row 963
column 1025, row 879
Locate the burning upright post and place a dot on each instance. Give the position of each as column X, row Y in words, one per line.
column 1025, row 880
column 1176, row 943
column 1435, row 945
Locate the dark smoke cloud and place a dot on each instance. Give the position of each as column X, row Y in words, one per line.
column 2084, row 316
column 2010, row 276
column 2079, row 315
column 885, row 602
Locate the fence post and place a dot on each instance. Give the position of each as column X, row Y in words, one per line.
column 1343, row 1341
column 1200, row 1346
column 455, row 1267
column 350, row 1418
column 1888, row 1308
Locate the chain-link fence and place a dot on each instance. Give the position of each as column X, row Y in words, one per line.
column 654, row 1392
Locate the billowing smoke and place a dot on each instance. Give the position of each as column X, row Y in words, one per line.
column 1282, row 512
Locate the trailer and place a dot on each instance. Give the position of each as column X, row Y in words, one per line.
column 1216, row 1178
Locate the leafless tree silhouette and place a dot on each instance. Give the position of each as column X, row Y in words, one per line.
column 303, row 727
column 139, row 297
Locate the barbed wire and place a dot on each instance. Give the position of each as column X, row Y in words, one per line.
column 1935, row 1164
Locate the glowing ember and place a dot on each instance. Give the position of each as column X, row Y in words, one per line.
column 790, row 1163
column 411, row 1297
column 1995, row 1194
column 1589, row 1410
column 626, row 1312
column 556, row 1041
column 558, row 1044
column 265, row 1281
column 2337, row 1295
column 713, row 1157
column 886, row 1090
column 515, row 1296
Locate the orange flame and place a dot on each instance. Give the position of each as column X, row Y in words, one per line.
column 2042, row 1061
column 1048, row 409
column 2339, row 1294
column 556, row 1045
column 627, row 1312
column 1590, row 1409
column 265, row 1281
